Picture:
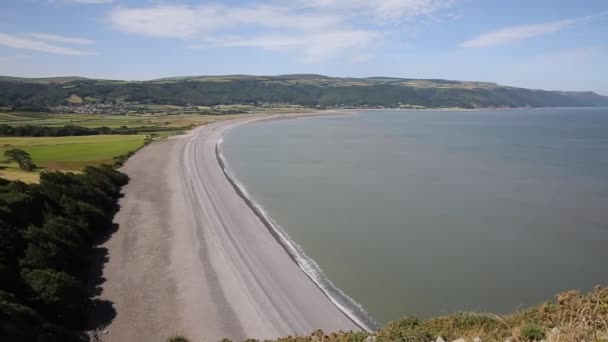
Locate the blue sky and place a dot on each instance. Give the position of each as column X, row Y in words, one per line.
column 546, row 44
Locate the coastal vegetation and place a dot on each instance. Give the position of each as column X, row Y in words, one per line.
column 303, row 90
column 46, row 252
column 570, row 317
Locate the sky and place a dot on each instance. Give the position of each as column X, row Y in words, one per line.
column 541, row 44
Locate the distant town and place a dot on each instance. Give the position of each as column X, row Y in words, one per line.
column 124, row 108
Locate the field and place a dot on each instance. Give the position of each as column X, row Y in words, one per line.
column 154, row 122
column 112, row 121
column 75, row 152
column 67, row 153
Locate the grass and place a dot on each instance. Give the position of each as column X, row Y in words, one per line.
column 11, row 171
column 113, row 121
column 74, row 153
column 68, row 153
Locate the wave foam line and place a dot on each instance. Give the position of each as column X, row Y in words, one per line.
column 346, row 304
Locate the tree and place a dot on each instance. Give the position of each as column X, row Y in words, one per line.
column 20, row 157
column 62, row 294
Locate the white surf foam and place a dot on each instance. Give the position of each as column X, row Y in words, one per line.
column 346, row 304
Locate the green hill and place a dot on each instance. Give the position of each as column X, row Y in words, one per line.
column 306, row 90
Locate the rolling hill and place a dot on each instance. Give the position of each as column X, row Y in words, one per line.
column 305, row 90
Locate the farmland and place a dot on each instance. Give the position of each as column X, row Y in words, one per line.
column 73, row 153
column 67, row 153
column 112, row 121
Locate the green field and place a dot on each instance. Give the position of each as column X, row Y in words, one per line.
column 73, row 153
column 169, row 121
column 67, row 153
column 91, row 121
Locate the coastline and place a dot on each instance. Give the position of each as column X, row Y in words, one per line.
column 345, row 303
column 192, row 258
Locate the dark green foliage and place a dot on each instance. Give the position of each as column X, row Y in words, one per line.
column 533, row 332
column 57, row 244
column 57, row 293
column 120, row 160
column 47, row 233
column 177, row 339
column 65, row 131
column 306, row 90
column 10, row 248
column 21, row 323
column 20, row 157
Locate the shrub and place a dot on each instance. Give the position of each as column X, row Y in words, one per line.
column 177, row 339
column 533, row 332
column 407, row 329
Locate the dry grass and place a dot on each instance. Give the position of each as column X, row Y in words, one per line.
column 12, row 172
column 571, row 317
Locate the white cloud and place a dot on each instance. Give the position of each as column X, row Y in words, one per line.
column 385, row 9
column 195, row 22
column 18, row 42
column 91, row 2
column 313, row 47
column 317, row 36
column 59, row 39
column 316, row 29
column 517, row 33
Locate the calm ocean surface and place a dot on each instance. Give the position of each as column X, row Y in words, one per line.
column 431, row 212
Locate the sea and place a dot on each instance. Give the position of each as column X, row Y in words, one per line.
column 432, row 212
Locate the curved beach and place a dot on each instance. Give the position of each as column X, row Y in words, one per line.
column 192, row 258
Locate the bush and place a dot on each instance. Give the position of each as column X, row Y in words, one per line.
column 533, row 332
column 121, row 159
column 407, row 329
column 177, row 339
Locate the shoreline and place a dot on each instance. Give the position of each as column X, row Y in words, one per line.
column 345, row 303
column 191, row 258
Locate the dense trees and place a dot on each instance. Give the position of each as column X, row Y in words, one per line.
column 65, row 131
column 47, row 231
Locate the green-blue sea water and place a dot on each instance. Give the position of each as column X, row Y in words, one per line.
column 431, row 212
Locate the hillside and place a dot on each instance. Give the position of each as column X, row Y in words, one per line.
column 306, row 90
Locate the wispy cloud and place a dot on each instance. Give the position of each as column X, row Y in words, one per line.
column 314, row 47
column 317, row 30
column 518, row 33
column 196, row 22
column 91, row 2
column 20, row 42
column 318, row 36
column 59, row 39
column 384, row 9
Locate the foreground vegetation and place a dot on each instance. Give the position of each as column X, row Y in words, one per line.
column 571, row 317
column 48, row 232
column 304, row 90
